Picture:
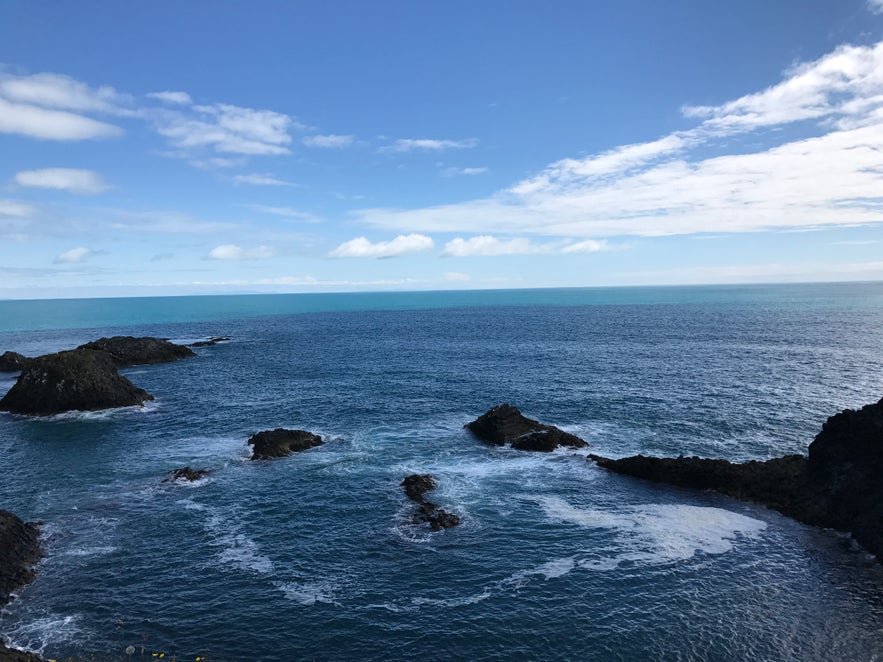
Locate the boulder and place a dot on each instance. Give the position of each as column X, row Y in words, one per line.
column 19, row 551
column 839, row 485
column 416, row 485
column 78, row 379
column 128, row 351
column 504, row 424
column 209, row 342
column 281, row 442
column 186, row 473
column 12, row 362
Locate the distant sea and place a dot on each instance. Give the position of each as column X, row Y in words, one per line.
column 314, row 556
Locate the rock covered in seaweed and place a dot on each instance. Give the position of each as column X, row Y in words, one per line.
column 416, row 485
column 128, row 351
column 19, row 551
column 505, row 424
column 12, row 362
column 839, row 485
column 185, row 473
column 281, row 442
column 78, row 379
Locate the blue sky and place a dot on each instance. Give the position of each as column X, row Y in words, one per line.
column 201, row 147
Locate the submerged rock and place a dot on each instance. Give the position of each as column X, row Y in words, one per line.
column 505, row 424
column 19, row 551
column 209, row 342
column 281, row 442
column 128, row 351
column 416, row 485
column 839, row 485
column 185, row 474
column 78, row 379
column 12, row 362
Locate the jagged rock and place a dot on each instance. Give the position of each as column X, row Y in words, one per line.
column 185, row 474
column 839, row 485
column 210, row 342
column 416, row 485
column 15, row 655
column 78, row 379
column 19, row 551
column 281, row 442
column 127, row 351
column 505, row 424
column 12, row 362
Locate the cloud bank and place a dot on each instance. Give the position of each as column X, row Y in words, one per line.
column 361, row 247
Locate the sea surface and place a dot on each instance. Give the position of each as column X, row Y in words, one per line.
column 314, row 556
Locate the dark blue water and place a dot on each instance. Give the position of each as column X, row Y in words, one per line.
column 314, row 556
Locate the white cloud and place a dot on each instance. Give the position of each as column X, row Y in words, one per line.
column 486, row 245
column 260, row 179
column 875, row 6
column 234, row 252
column 428, row 145
column 15, row 208
column 693, row 181
column 83, row 182
column 287, row 212
column 227, row 129
column 330, row 141
column 456, row 277
column 80, row 254
column 453, row 172
column 587, row 246
column 46, row 124
column 180, row 98
column 57, row 91
column 361, row 247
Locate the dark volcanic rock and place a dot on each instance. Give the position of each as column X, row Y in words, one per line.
column 12, row 362
column 281, row 442
column 14, row 655
column 185, row 474
column 19, row 551
column 505, row 424
column 126, row 350
column 839, row 486
column 416, row 485
column 78, row 379
column 210, row 342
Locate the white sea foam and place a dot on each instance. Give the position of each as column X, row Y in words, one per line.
column 99, row 550
column 52, row 629
column 308, row 593
column 556, row 567
column 238, row 550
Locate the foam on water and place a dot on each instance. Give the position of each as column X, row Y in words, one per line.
column 237, row 549
column 47, row 629
column 308, row 593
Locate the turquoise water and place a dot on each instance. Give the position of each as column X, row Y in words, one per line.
column 314, row 556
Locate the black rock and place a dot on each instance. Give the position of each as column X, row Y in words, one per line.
column 128, row 351
column 15, row 655
column 839, row 485
column 281, row 442
column 78, row 379
column 505, row 424
column 185, row 474
column 12, row 362
column 210, row 342
column 416, row 485
column 19, row 551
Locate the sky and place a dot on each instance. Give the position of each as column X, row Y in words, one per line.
column 222, row 147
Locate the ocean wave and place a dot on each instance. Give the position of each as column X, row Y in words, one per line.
column 48, row 629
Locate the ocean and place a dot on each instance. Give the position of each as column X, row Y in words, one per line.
column 314, row 556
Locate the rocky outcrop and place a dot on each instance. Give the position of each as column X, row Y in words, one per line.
column 504, row 424
column 14, row 655
column 281, row 442
column 19, row 551
column 128, row 351
column 78, row 379
column 839, row 485
column 186, row 474
column 210, row 342
column 12, row 362
column 416, row 485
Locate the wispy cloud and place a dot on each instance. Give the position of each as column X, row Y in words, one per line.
column 287, row 212
column 428, row 145
column 15, row 208
column 260, row 179
column 361, row 247
column 83, row 182
column 875, row 6
column 454, row 172
column 331, row 141
column 49, row 90
column 456, row 277
column 691, row 181
column 74, row 255
column 234, row 252
column 180, row 98
column 45, row 124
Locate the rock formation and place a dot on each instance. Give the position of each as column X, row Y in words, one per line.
column 12, row 362
column 505, row 424
column 416, row 485
column 281, row 442
column 78, row 379
column 14, row 655
column 186, row 473
column 839, row 485
column 19, row 551
column 214, row 340
column 127, row 351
